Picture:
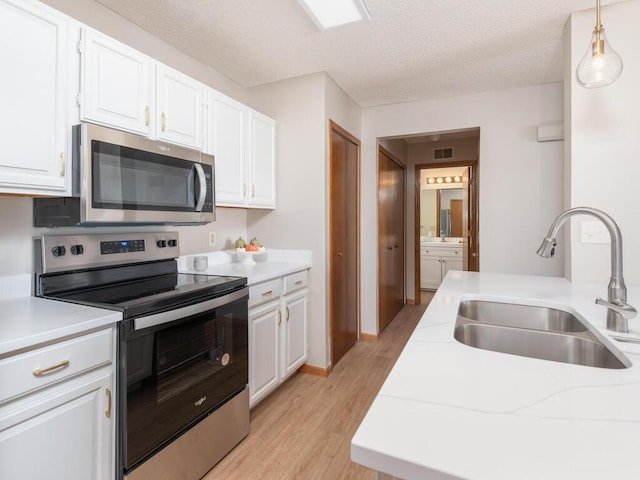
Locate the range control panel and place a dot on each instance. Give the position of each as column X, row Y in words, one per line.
column 56, row 253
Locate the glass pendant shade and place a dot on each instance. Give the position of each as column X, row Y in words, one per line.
column 601, row 64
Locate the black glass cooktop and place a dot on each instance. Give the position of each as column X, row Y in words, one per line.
column 139, row 296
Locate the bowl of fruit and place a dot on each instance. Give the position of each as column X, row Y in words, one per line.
column 245, row 251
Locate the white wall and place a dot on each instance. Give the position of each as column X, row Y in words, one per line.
column 520, row 179
column 604, row 128
column 299, row 220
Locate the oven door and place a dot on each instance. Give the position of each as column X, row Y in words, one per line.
column 176, row 371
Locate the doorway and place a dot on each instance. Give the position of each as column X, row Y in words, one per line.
column 344, row 241
column 391, row 237
column 454, row 188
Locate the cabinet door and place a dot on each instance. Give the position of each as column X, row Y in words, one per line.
column 295, row 332
column 430, row 271
column 227, row 142
column 180, row 108
column 61, row 432
column 264, row 345
column 451, row 262
column 33, row 95
column 116, row 84
column 262, row 161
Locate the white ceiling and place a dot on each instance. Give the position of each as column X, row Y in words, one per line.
column 410, row 50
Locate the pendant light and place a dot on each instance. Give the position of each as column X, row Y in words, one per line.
column 601, row 65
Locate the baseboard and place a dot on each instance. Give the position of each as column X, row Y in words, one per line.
column 313, row 370
column 369, row 337
column 411, row 301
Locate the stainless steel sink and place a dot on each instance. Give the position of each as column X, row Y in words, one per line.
column 535, row 332
column 521, row 316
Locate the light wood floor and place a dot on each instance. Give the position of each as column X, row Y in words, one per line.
column 304, row 429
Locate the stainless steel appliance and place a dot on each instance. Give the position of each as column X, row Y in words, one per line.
column 121, row 178
column 182, row 371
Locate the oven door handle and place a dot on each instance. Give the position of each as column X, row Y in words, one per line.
column 183, row 312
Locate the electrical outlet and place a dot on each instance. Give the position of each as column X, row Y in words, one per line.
column 212, row 239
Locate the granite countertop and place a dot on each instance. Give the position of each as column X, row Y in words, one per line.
column 28, row 322
column 256, row 268
column 450, row 411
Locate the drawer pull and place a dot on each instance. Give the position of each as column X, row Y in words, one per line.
column 43, row 371
column 299, row 282
column 108, row 412
column 267, row 293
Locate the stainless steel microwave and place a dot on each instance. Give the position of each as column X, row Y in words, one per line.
column 121, row 178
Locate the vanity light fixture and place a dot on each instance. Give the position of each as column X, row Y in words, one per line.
column 333, row 13
column 434, row 180
column 601, row 65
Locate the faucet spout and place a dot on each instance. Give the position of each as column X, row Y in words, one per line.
column 618, row 311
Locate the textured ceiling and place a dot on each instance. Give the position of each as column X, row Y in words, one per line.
column 410, row 50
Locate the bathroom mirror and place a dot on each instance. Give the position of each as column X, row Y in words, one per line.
column 441, row 212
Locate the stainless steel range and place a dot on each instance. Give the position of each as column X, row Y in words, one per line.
column 182, row 373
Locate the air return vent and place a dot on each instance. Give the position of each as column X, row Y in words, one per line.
column 443, row 153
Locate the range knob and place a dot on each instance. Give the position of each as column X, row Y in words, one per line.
column 77, row 249
column 173, row 243
column 162, row 243
column 59, row 251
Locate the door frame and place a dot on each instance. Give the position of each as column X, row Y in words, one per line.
column 382, row 150
column 334, row 127
column 474, row 221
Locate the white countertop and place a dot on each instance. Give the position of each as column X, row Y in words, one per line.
column 450, row 411
column 28, row 322
column 271, row 264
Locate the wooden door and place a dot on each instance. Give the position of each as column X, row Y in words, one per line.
column 455, row 207
column 391, row 274
column 343, row 240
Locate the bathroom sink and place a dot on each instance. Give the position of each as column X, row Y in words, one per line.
column 536, row 332
column 521, row 316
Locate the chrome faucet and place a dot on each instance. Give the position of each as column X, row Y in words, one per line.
column 618, row 310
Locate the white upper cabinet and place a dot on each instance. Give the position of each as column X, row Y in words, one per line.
column 117, row 84
column 227, row 143
column 243, row 143
column 180, row 108
column 34, row 99
column 262, row 161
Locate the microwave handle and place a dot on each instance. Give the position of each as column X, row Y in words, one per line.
column 202, row 191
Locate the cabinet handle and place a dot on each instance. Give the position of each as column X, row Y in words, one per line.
column 108, row 412
column 244, row 189
column 389, row 248
column 287, row 313
column 146, row 115
column 299, row 282
column 267, row 293
column 43, row 371
column 253, row 190
column 63, row 165
column 279, row 317
column 164, row 120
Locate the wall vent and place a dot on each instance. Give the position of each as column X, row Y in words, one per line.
column 445, row 153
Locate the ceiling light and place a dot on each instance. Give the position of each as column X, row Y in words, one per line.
column 601, row 65
column 332, row 13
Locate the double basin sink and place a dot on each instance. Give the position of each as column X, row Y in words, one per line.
column 534, row 331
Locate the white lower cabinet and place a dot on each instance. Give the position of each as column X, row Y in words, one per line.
column 435, row 262
column 277, row 332
column 65, row 427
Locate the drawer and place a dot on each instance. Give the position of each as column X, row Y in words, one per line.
column 453, row 253
column 264, row 292
column 36, row 369
column 294, row 282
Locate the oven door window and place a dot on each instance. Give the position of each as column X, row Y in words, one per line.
column 179, row 373
column 128, row 179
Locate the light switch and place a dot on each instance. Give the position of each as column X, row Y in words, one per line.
column 212, row 239
column 593, row 232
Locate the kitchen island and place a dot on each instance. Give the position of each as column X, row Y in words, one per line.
column 449, row 411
